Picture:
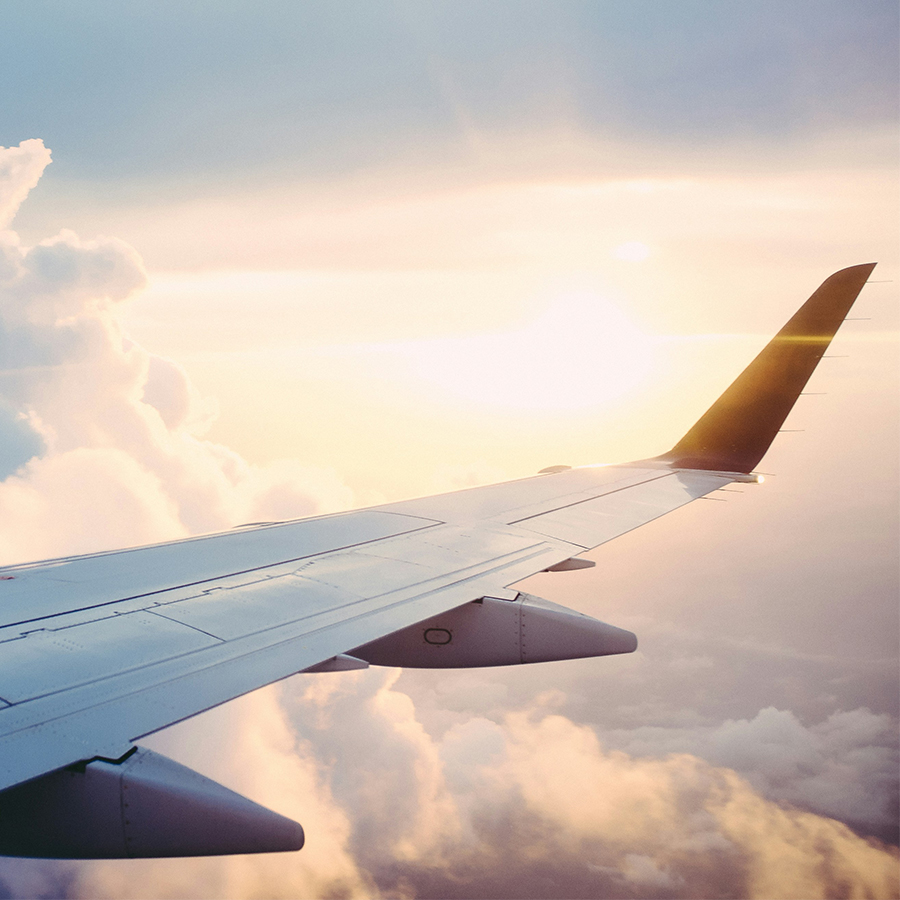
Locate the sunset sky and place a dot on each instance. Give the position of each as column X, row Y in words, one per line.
column 299, row 257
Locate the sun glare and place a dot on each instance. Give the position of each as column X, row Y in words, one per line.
column 632, row 251
column 582, row 352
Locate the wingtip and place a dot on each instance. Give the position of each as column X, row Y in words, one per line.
column 853, row 271
column 736, row 431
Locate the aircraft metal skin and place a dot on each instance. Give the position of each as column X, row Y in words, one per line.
column 97, row 651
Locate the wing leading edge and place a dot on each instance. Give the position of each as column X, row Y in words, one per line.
column 97, row 651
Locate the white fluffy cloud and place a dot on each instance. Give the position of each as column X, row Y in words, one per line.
column 20, row 170
column 113, row 433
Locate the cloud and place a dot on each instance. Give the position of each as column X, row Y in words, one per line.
column 19, row 441
column 101, row 440
column 696, row 822
column 20, row 170
column 535, row 805
column 63, row 277
column 710, row 696
column 84, row 500
column 169, row 391
column 843, row 767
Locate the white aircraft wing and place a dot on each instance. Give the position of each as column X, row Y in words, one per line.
column 97, row 651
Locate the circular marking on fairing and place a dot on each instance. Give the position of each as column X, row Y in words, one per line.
column 437, row 636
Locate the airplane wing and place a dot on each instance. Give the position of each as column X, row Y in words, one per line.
column 100, row 650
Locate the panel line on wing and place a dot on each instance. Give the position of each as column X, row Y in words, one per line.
column 156, row 612
column 204, row 658
column 324, row 629
column 603, row 518
column 90, row 720
column 593, row 496
column 57, row 561
column 218, row 577
column 420, row 588
column 30, row 666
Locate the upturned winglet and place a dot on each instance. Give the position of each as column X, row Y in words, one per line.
column 734, row 434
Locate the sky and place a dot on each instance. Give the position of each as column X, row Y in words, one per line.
column 264, row 262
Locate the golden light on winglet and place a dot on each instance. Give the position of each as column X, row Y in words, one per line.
column 734, row 434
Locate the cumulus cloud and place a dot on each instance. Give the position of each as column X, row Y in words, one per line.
column 102, row 440
column 843, row 767
column 770, row 716
column 20, row 170
column 674, row 823
column 535, row 805
column 19, row 440
column 169, row 391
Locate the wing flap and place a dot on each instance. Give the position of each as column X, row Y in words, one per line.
column 43, row 661
column 102, row 717
column 31, row 592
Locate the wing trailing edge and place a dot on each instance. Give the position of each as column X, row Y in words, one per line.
column 734, row 434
